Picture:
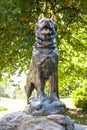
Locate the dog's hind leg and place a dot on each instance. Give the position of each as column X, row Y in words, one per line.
column 29, row 88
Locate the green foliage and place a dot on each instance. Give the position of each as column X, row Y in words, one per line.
column 17, row 36
column 3, row 92
column 3, row 89
column 80, row 97
column 15, row 41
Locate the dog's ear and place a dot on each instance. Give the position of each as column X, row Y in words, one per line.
column 41, row 16
column 53, row 17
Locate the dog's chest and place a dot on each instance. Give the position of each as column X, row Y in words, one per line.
column 42, row 56
column 46, row 60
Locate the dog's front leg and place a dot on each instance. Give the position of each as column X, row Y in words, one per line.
column 39, row 82
column 54, row 83
column 40, row 85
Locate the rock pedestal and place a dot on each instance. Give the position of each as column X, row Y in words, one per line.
column 22, row 121
column 44, row 105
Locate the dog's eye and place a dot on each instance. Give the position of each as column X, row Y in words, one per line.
column 37, row 27
column 42, row 21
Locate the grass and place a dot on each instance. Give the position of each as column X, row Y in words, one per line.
column 8, row 105
column 3, row 109
column 78, row 116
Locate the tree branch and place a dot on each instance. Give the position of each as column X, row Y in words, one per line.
column 68, row 8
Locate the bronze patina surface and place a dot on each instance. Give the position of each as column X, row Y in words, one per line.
column 44, row 66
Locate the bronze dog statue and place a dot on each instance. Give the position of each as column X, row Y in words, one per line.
column 44, row 62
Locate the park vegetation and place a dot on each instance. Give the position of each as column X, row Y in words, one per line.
column 17, row 37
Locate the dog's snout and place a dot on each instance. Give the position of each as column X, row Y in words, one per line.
column 46, row 22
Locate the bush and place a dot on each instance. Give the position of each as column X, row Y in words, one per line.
column 79, row 97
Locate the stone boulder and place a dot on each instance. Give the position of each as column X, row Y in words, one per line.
column 22, row 121
column 80, row 127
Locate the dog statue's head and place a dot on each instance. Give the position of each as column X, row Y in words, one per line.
column 46, row 28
